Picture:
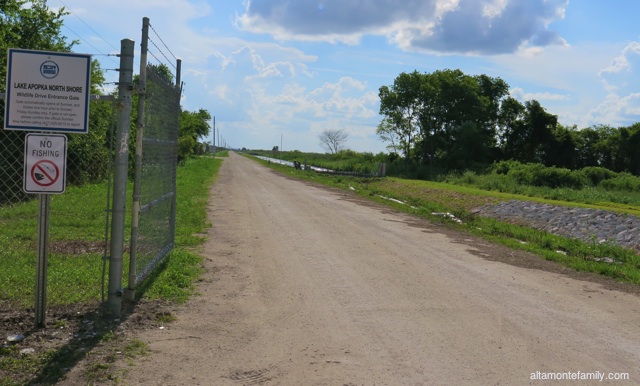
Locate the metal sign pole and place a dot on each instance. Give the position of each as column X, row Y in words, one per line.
column 43, row 249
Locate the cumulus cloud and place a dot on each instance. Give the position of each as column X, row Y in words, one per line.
column 616, row 76
column 254, row 84
column 443, row 26
column 620, row 79
column 521, row 95
column 618, row 111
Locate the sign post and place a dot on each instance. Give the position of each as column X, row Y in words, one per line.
column 44, row 173
column 46, row 92
column 41, row 268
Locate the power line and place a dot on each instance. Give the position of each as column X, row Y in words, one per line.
column 93, row 30
column 88, row 26
column 92, row 46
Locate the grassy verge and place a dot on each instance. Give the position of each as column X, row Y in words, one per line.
column 221, row 153
column 100, row 345
column 423, row 198
column 76, row 233
column 175, row 278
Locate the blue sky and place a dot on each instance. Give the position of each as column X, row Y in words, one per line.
column 282, row 71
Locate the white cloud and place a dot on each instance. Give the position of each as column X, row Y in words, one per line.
column 618, row 111
column 441, row 26
column 619, row 74
column 259, row 87
column 622, row 62
column 621, row 106
column 521, row 95
column 260, row 93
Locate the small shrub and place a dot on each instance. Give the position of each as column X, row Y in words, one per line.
column 539, row 175
column 469, row 177
column 622, row 182
column 503, row 167
column 596, row 174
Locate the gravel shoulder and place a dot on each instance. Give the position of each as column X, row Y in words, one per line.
column 309, row 285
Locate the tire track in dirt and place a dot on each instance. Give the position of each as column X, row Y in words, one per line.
column 307, row 285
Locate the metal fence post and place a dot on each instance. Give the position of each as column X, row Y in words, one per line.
column 125, row 91
column 172, row 215
column 140, row 124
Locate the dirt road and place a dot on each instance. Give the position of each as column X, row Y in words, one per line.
column 309, row 286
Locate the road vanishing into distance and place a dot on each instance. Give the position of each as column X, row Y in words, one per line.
column 306, row 285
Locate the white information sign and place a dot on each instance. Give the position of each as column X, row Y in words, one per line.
column 45, row 158
column 47, row 91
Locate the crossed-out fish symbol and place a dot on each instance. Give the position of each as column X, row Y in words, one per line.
column 40, row 176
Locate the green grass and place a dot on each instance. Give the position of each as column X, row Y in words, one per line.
column 221, row 153
column 76, row 233
column 76, row 278
column 345, row 160
column 589, row 195
column 428, row 197
column 175, row 278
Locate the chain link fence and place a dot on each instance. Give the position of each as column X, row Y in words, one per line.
column 154, row 237
column 79, row 221
column 77, row 218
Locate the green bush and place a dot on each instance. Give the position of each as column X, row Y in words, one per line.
column 539, row 175
column 561, row 178
column 622, row 182
column 595, row 175
column 525, row 174
column 503, row 167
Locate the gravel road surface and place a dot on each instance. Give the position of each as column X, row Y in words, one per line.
column 311, row 286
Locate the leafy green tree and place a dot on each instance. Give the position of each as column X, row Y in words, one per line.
column 426, row 112
column 30, row 25
column 540, row 126
column 401, row 104
column 562, row 151
column 470, row 147
column 27, row 25
column 192, row 126
column 387, row 133
column 628, row 145
column 526, row 131
column 609, row 145
column 89, row 154
column 453, row 99
column 512, row 136
column 588, row 148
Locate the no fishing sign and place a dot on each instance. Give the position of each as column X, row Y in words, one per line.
column 45, row 159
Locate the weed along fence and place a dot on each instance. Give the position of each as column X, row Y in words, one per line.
column 77, row 218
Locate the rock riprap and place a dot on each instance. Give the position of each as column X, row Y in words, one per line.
column 589, row 225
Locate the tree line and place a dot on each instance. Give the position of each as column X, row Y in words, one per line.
column 32, row 25
column 447, row 120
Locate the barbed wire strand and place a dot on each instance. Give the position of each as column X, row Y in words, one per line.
column 155, row 57
column 163, row 54
column 163, row 43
